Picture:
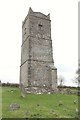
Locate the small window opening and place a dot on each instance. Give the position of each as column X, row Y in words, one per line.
column 40, row 26
column 24, row 31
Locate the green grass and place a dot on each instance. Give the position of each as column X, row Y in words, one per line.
column 38, row 106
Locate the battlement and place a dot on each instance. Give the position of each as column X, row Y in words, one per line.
column 36, row 14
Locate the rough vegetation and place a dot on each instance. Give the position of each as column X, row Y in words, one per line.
column 38, row 105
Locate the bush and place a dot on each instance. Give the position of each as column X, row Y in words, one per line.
column 10, row 84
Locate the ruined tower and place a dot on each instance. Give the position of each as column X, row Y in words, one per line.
column 37, row 71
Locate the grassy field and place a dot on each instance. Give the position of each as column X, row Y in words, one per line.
column 38, row 106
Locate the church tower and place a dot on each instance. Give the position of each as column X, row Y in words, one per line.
column 37, row 71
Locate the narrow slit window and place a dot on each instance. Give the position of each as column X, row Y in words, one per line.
column 24, row 31
column 40, row 26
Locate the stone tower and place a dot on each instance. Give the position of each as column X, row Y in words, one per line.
column 37, row 71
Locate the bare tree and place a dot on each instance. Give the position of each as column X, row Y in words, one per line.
column 77, row 79
column 61, row 80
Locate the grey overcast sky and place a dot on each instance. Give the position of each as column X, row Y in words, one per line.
column 64, row 31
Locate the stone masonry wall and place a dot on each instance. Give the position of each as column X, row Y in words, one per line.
column 37, row 71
